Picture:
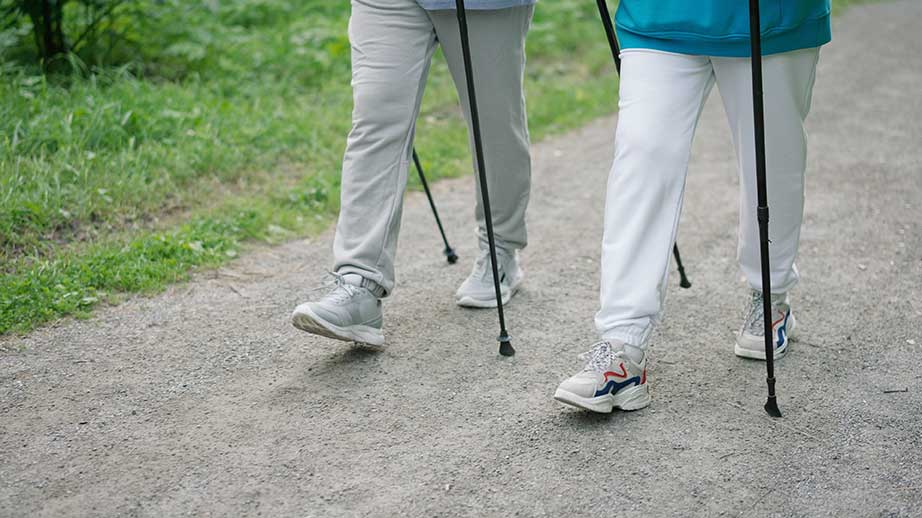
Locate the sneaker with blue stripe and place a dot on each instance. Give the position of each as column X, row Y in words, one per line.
column 750, row 342
column 609, row 380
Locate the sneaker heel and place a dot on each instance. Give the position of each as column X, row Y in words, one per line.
column 634, row 398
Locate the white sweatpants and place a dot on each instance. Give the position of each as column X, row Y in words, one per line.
column 661, row 98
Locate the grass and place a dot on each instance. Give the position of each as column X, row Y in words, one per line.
column 130, row 178
column 224, row 128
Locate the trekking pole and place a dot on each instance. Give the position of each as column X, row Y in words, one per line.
column 755, row 37
column 505, row 346
column 615, row 54
column 450, row 254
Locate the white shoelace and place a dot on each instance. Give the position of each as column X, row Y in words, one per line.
column 336, row 288
column 600, row 357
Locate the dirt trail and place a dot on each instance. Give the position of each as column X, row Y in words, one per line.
column 205, row 401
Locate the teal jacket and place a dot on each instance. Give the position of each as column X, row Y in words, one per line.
column 721, row 27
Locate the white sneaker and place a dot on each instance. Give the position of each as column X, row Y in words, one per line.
column 750, row 342
column 610, row 380
column 351, row 311
column 477, row 291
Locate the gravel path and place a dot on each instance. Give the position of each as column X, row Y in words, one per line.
column 205, row 401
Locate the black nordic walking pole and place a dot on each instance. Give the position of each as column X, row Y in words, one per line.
column 505, row 345
column 615, row 54
column 758, row 110
column 450, row 254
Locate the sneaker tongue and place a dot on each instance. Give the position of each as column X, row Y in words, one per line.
column 353, row 279
column 617, row 346
column 603, row 354
column 484, row 264
column 635, row 354
column 483, row 268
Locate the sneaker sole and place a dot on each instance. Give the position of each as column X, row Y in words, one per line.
column 759, row 354
column 629, row 399
column 467, row 301
column 364, row 336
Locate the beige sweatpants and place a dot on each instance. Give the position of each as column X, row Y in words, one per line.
column 392, row 46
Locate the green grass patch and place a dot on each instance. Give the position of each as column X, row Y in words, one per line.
column 75, row 281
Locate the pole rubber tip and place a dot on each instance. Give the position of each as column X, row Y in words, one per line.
column 505, row 348
column 451, row 256
column 771, row 406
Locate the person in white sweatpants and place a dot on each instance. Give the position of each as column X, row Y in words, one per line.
column 661, row 98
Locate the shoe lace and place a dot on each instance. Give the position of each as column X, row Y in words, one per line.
column 755, row 315
column 336, row 288
column 600, row 357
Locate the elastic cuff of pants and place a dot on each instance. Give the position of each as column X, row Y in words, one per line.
column 778, row 288
column 633, row 336
column 777, row 295
column 371, row 285
column 484, row 243
column 376, row 289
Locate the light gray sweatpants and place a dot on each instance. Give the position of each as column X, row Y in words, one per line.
column 392, row 46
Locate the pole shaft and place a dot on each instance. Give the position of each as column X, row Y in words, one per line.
column 762, row 210
column 609, row 32
column 435, row 212
column 481, row 166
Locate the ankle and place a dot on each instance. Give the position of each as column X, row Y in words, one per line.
column 635, row 354
column 777, row 298
column 631, row 352
column 357, row 280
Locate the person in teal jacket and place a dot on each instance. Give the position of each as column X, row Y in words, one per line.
column 674, row 52
column 721, row 27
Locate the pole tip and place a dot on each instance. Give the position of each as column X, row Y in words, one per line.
column 505, row 348
column 450, row 255
column 771, row 406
